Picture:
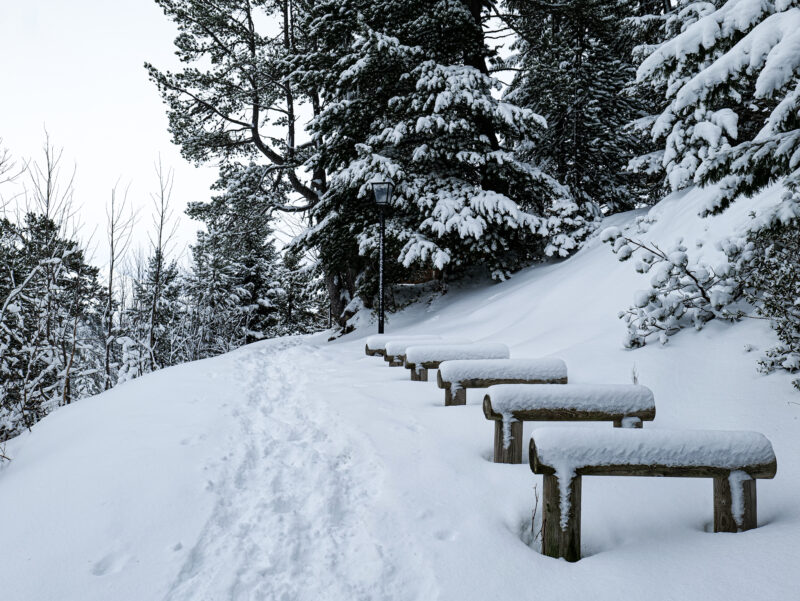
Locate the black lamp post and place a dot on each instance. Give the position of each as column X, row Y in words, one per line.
column 383, row 196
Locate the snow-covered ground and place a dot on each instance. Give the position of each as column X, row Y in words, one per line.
column 301, row 469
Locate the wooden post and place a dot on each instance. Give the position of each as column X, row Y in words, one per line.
column 512, row 453
column 414, row 376
column 459, row 397
column 422, row 375
column 558, row 542
column 628, row 422
column 723, row 505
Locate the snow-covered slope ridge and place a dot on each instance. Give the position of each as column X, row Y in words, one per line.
column 301, row 469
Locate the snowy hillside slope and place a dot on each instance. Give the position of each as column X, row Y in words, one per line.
column 300, row 469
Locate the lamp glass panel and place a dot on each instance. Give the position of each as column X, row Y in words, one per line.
column 382, row 192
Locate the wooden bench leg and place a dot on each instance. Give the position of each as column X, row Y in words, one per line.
column 513, row 452
column 734, row 495
column 628, row 422
column 457, row 397
column 414, row 376
column 558, row 541
column 422, row 376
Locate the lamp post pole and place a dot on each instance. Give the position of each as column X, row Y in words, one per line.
column 380, row 275
column 383, row 196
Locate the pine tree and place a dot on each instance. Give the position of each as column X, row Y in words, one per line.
column 234, row 102
column 575, row 67
column 300, row 299
column 158, row 313
column 650, row 22
column 409, row 98
column 217, row 318
column 730, row 77
column 240, row 288
column 50, row 303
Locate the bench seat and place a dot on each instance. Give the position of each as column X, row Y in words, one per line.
column 563, row 455
column 395, row 350
column 376, row 345
column 456, row 376
column 509, row 405
column 420, row 358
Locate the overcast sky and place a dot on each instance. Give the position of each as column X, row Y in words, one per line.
column 76, row 67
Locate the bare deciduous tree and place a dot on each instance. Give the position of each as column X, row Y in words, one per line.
column 120, row 219
column 50, row 189
column 164, row 227
column 10, row 171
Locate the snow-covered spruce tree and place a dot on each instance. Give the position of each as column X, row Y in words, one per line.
column 240, row 287
column 409, row 99
column 217, row 318
column 651, row 22
column 731, row 82
column 157, row 313
column 300, row 300
column 50, row 308
column 234, row 260
column 233, row 102
column 575, row 67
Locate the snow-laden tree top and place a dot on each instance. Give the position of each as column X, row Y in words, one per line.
column 732, row 84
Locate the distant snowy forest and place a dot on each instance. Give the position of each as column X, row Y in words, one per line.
column 510, row 129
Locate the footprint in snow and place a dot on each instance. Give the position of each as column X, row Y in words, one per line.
column 111, row 564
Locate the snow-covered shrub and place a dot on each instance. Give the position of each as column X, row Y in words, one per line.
column 768, row 271
column 760, row 278
column 682, row 292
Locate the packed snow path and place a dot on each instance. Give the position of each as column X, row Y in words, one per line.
column 296, row 511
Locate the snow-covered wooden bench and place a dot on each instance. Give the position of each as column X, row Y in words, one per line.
column 376, row 345
column 509, row 405
column 563, row 455
column 456, row 376
column 420, row 358
column 395, row 350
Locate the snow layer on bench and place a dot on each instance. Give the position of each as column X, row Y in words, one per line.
column 573, row 448
column 398, row 346
column 569, row 449
column 449, row 352
column 614, row 398
column 378, row 342
column 503, row 369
